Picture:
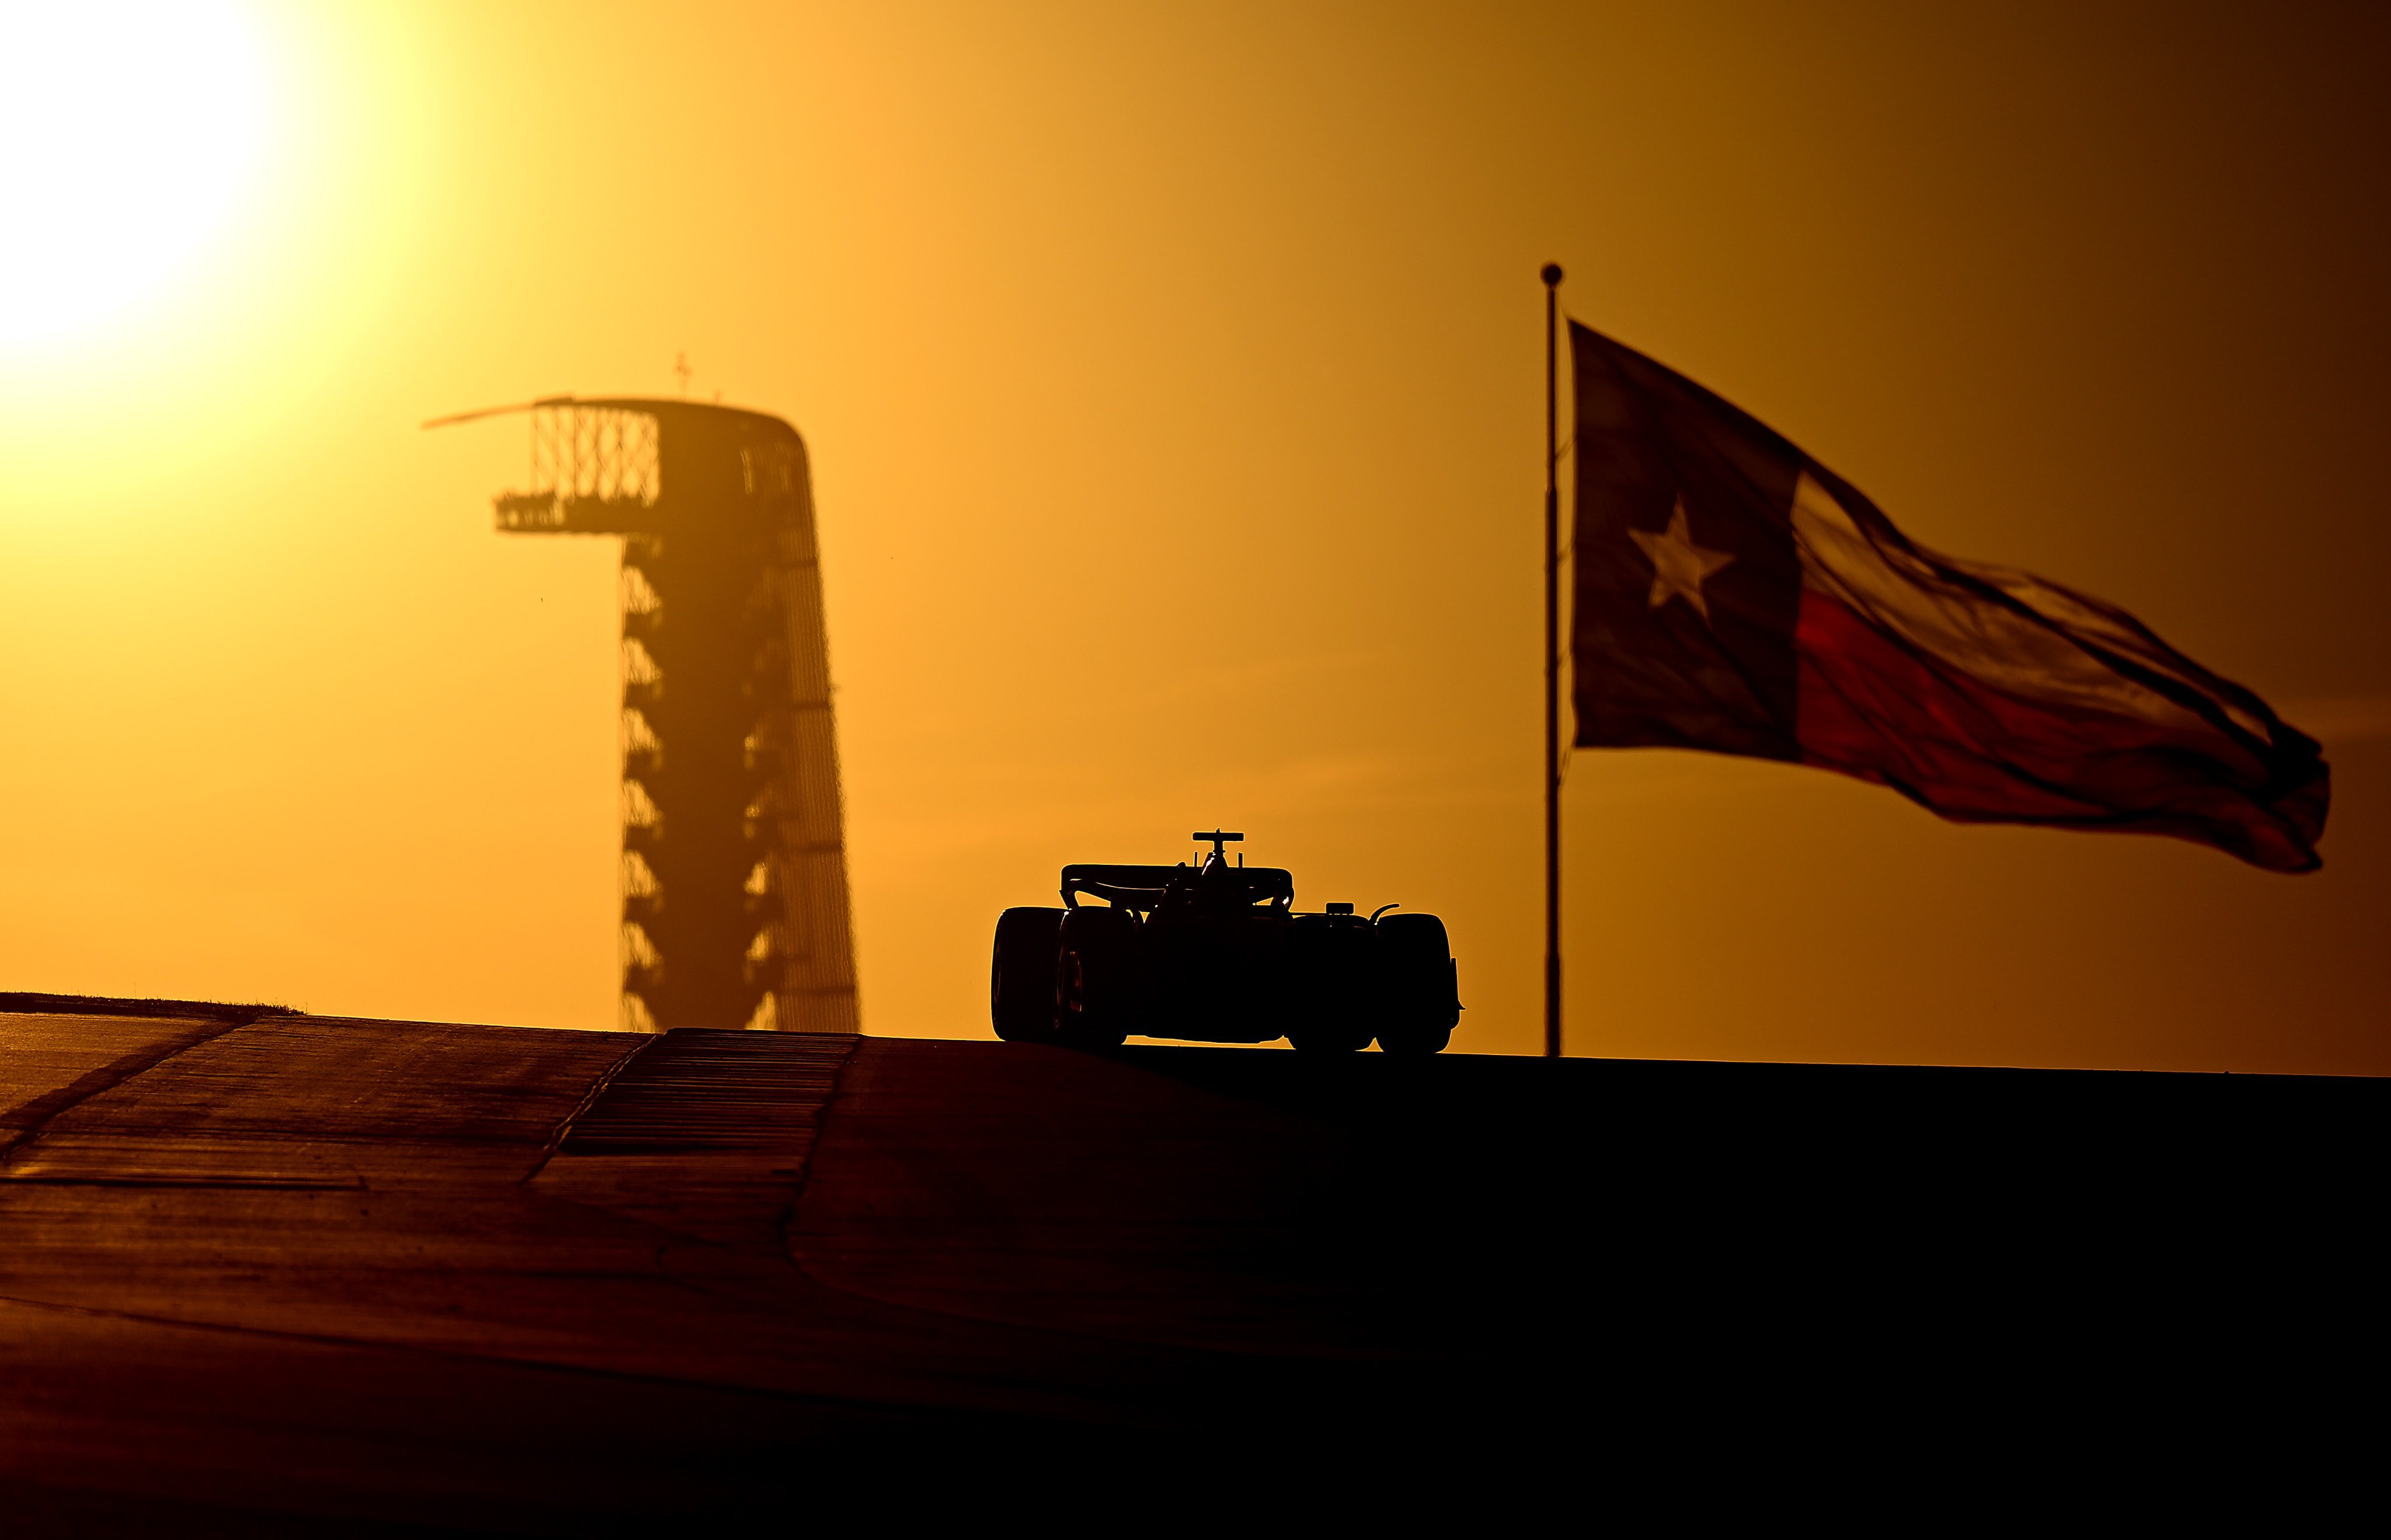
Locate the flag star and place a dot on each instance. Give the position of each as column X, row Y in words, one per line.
column 1678, row 565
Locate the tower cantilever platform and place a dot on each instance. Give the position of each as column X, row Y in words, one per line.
column 734, row 891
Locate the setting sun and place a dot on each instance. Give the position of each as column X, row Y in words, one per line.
column 129, row 131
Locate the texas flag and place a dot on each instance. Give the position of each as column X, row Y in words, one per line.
column 1734, row 595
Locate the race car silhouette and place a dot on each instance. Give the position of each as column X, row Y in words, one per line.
column 1217, row 953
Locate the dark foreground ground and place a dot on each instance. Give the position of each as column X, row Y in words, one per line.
column 284, row 1273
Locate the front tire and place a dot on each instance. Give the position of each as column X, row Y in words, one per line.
column 1021, row 975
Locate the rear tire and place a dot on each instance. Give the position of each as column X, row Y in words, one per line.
column 1096, row 978
column 1419, row 1000
column 1021, row 975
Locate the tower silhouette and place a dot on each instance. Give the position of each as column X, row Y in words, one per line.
column 735, row 892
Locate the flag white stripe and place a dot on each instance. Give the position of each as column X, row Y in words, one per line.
column 1990, row 643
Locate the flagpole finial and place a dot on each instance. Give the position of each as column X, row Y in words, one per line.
column 1552, row 274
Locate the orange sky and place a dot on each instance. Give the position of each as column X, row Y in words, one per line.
column 1173, row 384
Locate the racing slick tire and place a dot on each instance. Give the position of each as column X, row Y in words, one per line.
column 1021, row 975
column 1419, row 1000
column 1095, row 978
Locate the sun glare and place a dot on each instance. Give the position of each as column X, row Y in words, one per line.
column 129, row 131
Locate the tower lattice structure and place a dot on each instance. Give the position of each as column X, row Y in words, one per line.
column 734, row 893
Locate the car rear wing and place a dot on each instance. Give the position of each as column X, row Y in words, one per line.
column 1141, row 888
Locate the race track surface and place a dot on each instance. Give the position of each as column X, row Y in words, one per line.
column 272, row 1273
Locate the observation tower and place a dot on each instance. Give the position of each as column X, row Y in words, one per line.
column 735, row 892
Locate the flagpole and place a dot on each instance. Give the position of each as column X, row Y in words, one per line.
column 1552, row 275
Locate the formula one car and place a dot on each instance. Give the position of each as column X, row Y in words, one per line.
column 1217, row 953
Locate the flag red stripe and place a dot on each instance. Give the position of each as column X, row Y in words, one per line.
column 1871, row 707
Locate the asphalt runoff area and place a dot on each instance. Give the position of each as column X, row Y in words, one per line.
column 274, row 1273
